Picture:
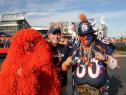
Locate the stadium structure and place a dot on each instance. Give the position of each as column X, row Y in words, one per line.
column 9, row 24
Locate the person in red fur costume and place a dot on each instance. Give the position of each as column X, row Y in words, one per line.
column 28, row 68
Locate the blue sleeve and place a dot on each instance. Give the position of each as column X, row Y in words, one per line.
column 108, row 47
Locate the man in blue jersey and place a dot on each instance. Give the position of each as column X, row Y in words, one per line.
column 89, row 61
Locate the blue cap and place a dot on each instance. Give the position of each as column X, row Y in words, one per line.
column 54, row 31
column 85, row 28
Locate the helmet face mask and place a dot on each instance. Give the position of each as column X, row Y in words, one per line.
column 85, row 31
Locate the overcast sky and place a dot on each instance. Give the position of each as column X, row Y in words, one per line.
column 41, row 12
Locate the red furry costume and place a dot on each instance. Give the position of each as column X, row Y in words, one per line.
column 28, row 74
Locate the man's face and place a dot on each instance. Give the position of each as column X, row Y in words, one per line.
column 54, row 38
column 83, row 40
column 86, row 40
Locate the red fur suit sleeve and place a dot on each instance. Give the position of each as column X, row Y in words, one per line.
column 27, row 72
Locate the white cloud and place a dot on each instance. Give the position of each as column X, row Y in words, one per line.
column 8, row 2
column 111, row 14
column 56, row 16
column 73, row 15
column 51, row 6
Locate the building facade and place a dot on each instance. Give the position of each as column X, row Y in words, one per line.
column 10, row 23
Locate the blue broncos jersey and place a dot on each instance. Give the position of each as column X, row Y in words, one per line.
column 95, row 73
column 60, row 54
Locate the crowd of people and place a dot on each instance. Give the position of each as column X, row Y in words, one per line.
column 38, row 66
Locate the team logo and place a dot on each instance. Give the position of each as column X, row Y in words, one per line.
column 84, row 27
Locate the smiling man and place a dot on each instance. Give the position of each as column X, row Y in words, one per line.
column 60, row 53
